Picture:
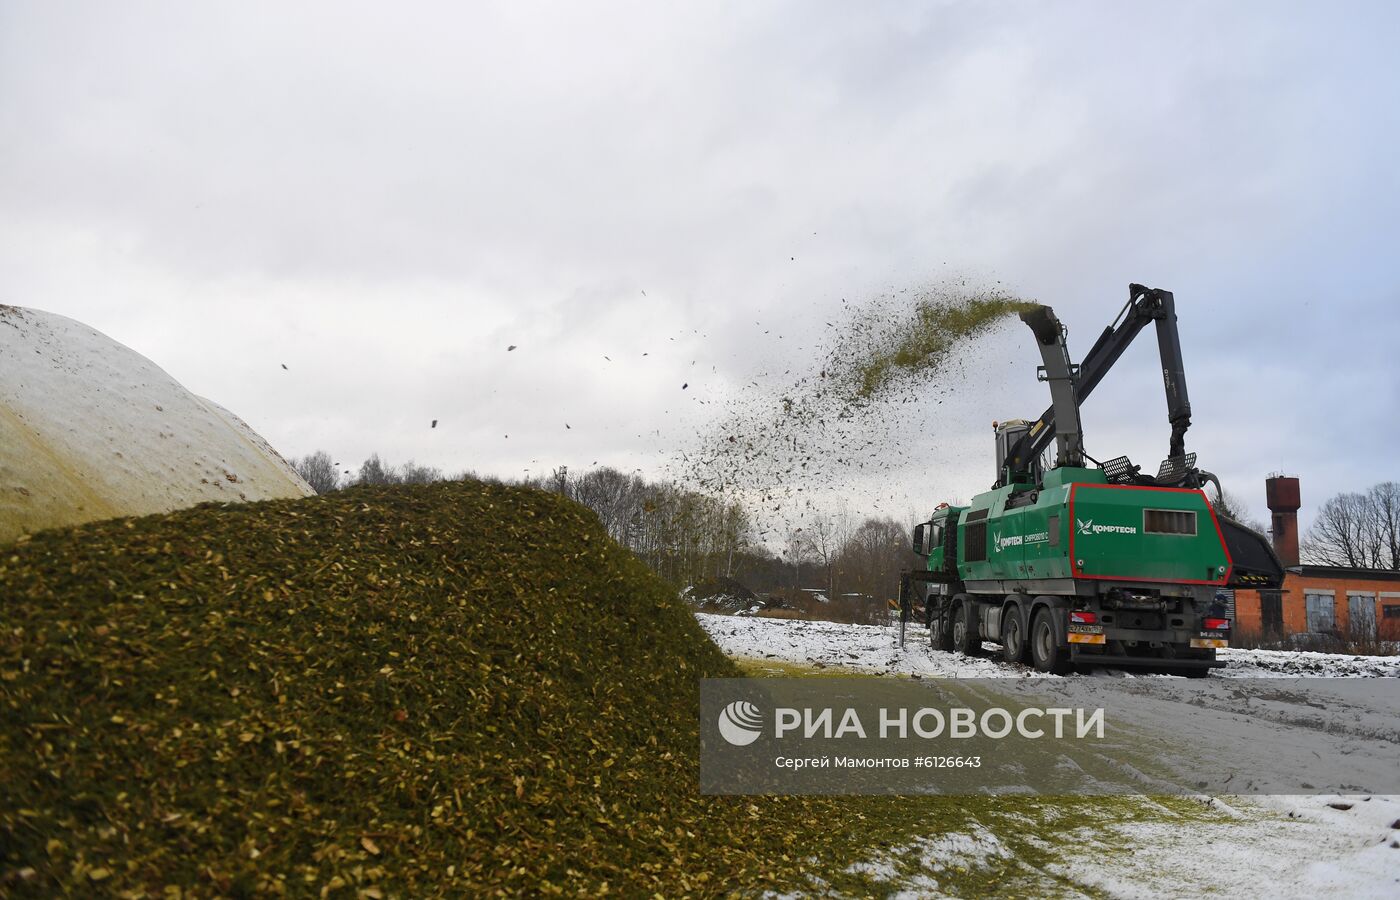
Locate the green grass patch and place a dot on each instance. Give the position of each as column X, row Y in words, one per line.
column 750, row 667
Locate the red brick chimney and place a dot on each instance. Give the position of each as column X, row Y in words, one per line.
column 1283, row 503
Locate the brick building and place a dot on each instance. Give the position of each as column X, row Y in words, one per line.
column 1362, row 604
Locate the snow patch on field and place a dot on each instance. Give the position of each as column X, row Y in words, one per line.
column 1247, row 663
column 1282, row 847
column 931, row 856
column 90, row 429
column 1276, row 847
column 959, row 850
column 863, row 648
column 874, row 649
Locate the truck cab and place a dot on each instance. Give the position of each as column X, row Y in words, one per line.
column 936, row 539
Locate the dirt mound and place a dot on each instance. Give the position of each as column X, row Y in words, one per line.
column 413, row 690
column 723, row 595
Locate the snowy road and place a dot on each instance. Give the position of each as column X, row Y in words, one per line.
column 1264, row 846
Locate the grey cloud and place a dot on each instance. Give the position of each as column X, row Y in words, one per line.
column 388, row 195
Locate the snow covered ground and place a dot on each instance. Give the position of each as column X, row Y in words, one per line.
column 1278, row 848
column 1267, row 846
column 872, row 648
column 90, row 429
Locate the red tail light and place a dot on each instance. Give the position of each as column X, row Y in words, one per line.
column 1216, row 624
column 1083, row 618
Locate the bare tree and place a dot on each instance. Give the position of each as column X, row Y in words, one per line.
column 844, row 523
column 875, row 555
column 735, row 532
column 317, row 470
column 1358, row 530
column 823, row 541
column 412, row 473
column 795, row 552
column 685, row 537
column 613, row 496
column 374, row 471
column 1385, row 501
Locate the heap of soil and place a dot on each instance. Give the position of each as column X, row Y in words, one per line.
column 412, row 690
column 722, row 595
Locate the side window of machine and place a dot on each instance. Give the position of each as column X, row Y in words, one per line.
column 976, row 536
column 1169, row 521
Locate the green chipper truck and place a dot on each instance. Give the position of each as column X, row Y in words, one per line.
column 1069, row 562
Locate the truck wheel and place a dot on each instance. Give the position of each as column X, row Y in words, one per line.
column 965, row 640
column 1013, row 637
column 939, row 635
column 1046, row 652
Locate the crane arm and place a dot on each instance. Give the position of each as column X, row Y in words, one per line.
column 1145, row 305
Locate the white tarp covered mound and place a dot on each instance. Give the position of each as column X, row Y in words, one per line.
column 90, row 429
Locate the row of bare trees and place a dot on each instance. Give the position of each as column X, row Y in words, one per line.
column 849, row 557
column 325, row 475
column 1357, row 530
column 683, row 536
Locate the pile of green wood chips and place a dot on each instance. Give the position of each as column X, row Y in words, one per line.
column 404, row 691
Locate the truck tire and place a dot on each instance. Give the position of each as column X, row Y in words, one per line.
column 965, row 640
column 940, row 636
column 1046, row 652
column 1013, row 636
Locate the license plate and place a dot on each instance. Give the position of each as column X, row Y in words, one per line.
column 1209, row 644
column 1076, row 638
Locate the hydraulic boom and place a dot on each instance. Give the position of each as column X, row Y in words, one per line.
column 1145, row 305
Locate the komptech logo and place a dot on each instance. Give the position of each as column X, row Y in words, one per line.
column 1012, row 540
column 1090, row 528
column 740, row 723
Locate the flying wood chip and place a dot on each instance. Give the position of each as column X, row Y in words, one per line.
column 855, row 401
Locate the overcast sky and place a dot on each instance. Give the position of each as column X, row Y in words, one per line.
column 385, row 197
